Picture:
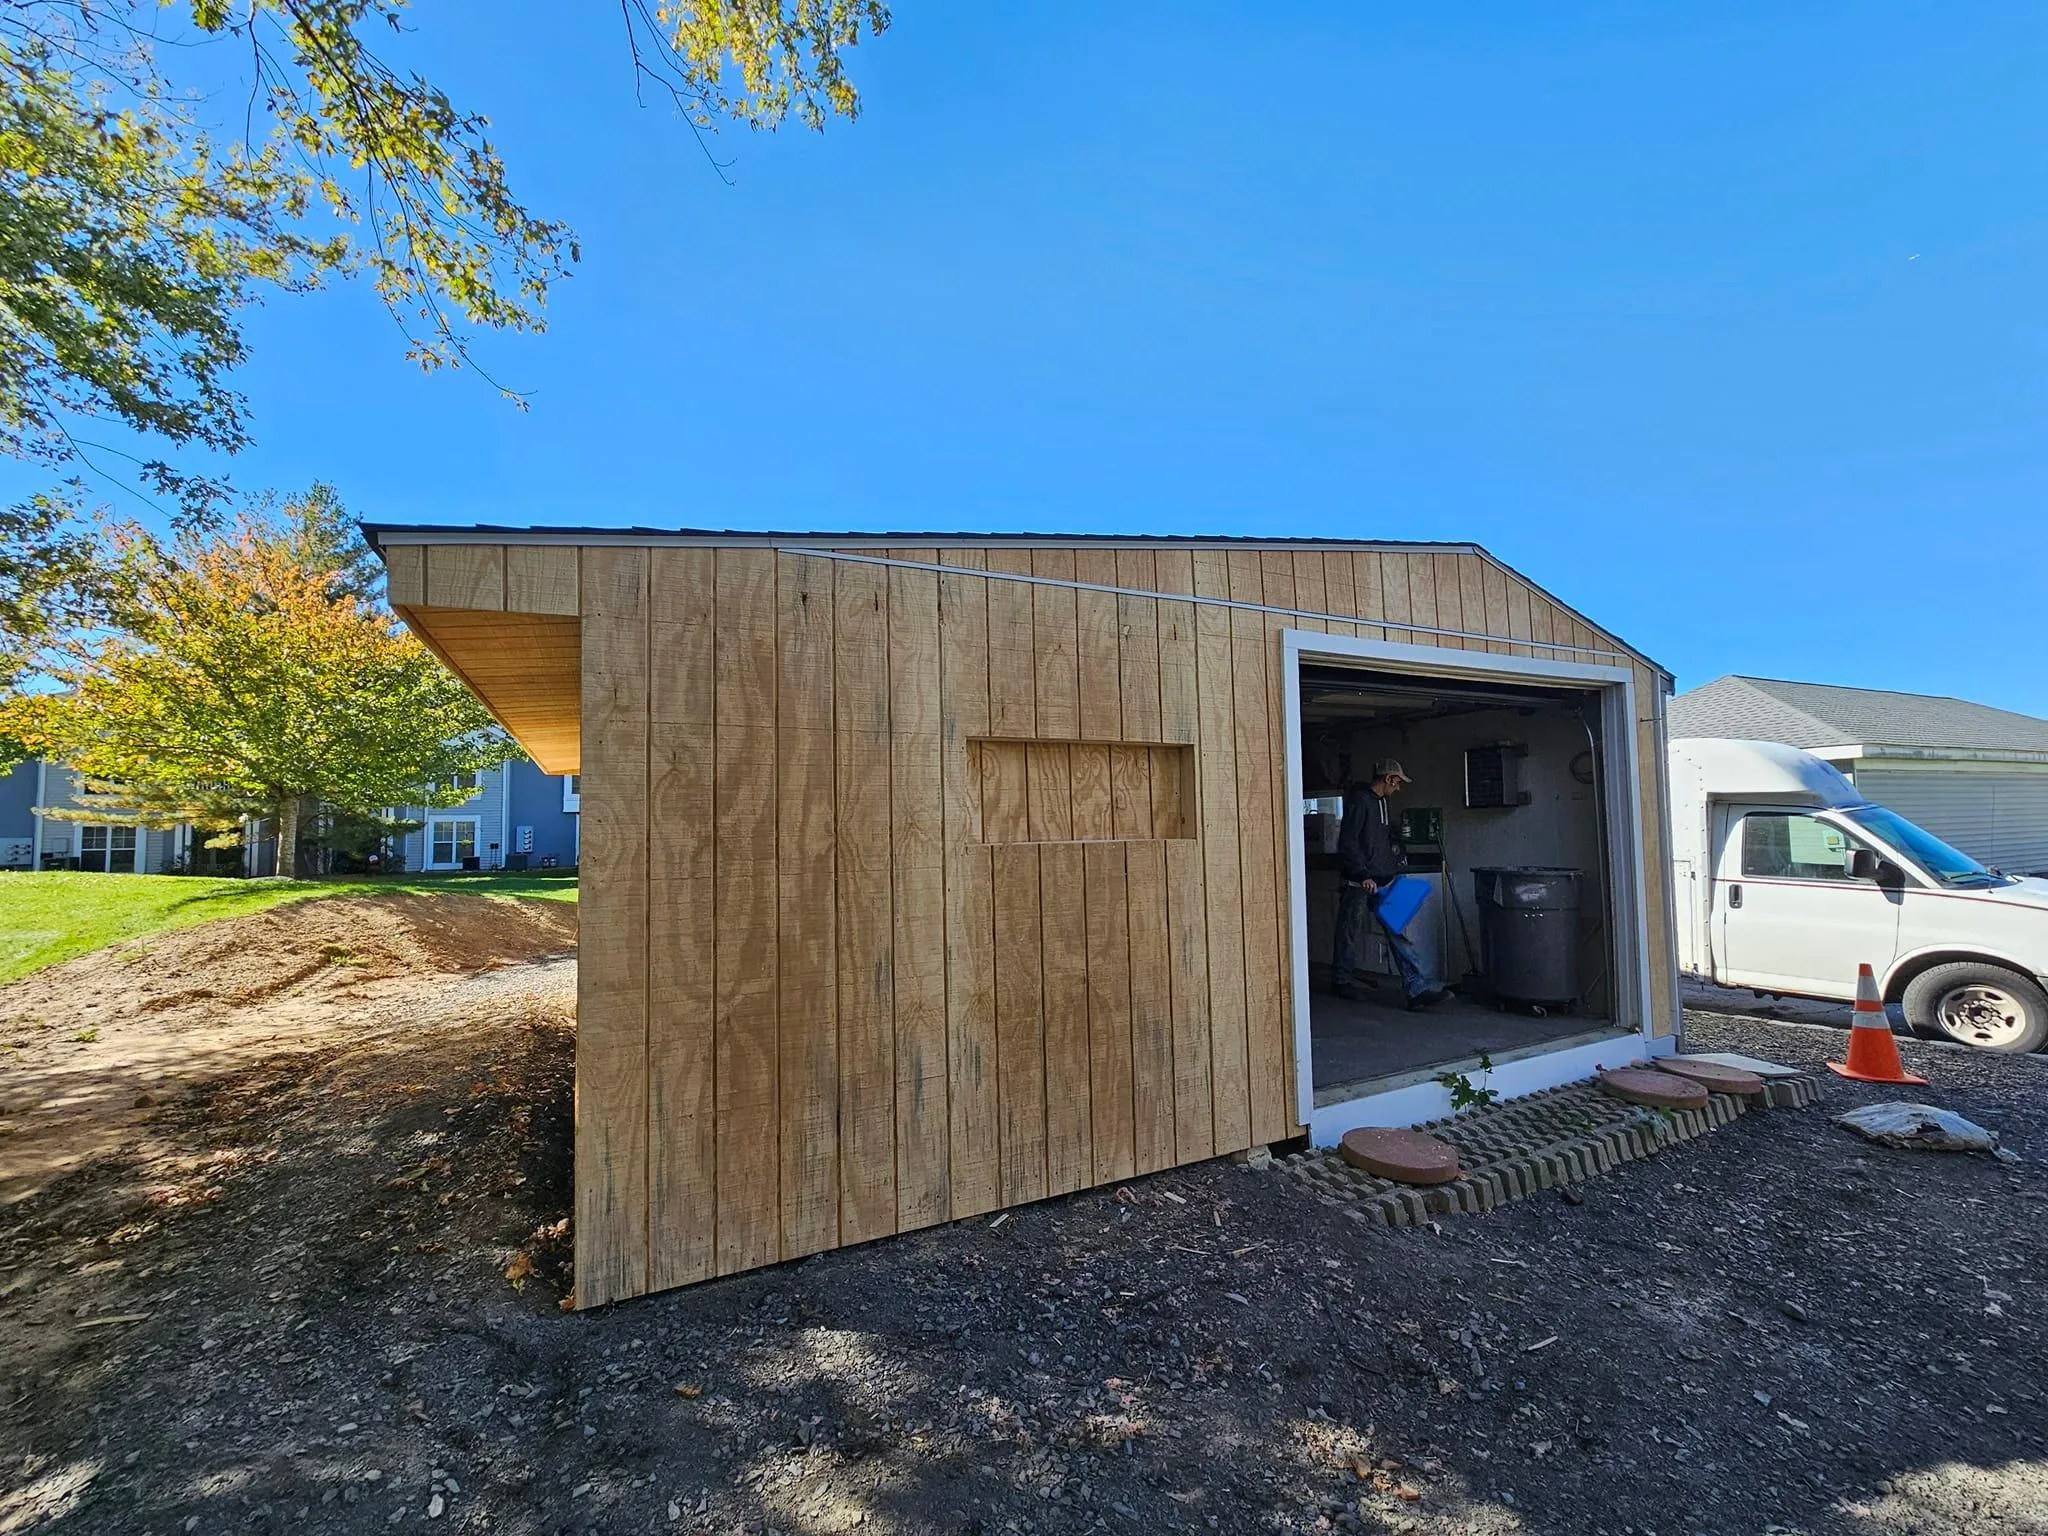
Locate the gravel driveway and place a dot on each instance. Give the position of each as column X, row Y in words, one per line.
column 305, row 1325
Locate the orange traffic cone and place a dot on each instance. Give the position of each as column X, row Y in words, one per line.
column 1873, row 1053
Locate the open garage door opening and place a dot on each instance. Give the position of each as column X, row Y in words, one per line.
column 1516, row 828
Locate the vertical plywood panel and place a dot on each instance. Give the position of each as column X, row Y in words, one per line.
column 1394, row 595
column 1108, row 968
column 1223, row 873
column 1311, row 593
column 543, row 578
column 1254, row 668
column 1069, row 1058
column 1020, row 1024
column 1186, row 903
column 1539, row 625
column 807, row 1000
column 1494, row 584
column 1368, row 574
column 611, row 986
column 1340, row 585
column 1109, row 1012
column 1069, row 1133
column 405, row 575
column 1472, row 597
column 1145, row 804
column 918, row 880
column 1019, row 961
column 682, row 936
column 964, row 713
column 866, row 934
column 468, row 576
column 1450, row 601
column 1518, row 615
column 1422, row 594
column 1273, row 1115
column 746, row 965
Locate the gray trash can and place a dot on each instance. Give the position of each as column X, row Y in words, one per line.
column 1529, row 933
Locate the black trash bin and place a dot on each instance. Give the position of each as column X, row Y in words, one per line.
column 1529, row 933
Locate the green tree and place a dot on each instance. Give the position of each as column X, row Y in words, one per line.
column 133, row 233
column 241, row 672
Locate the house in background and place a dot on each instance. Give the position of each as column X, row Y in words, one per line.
column 516, row 818
column 31, row 840
column 1974, row 776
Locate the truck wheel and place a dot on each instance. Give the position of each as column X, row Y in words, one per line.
column 1981, row 1005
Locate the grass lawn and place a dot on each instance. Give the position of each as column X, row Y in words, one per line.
column 46, row 918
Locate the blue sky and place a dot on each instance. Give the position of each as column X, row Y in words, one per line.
column 1726, row 323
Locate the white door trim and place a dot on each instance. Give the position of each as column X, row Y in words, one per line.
column 475, row 839
column 1627, row 878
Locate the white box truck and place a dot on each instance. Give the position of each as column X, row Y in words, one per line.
column 1787, row 879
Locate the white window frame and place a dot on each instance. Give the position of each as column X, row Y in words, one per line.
column 476, row 844
column 1416, row 1103
column 109, row 828
column 572, row 792
column 474, row 787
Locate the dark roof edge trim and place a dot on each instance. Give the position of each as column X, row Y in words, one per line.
column 383, row 535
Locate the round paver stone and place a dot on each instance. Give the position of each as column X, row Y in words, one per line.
column 1406, row 1157
column 1659, row 1090
column 1716, row 1077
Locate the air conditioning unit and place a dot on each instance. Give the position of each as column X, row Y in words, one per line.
column 1493, row 776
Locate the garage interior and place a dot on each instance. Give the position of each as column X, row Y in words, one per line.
column 1503, row 824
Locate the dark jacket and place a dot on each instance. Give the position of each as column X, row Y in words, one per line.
column 1367, row 847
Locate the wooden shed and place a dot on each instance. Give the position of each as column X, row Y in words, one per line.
column 924, row 875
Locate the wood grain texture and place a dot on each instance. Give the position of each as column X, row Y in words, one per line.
column 863, row 897
column 1368, row 572
column 912, row 893
column 470, row 575
column 807, row 998
column 1254, row 670
column 1450, row 601
column 1186, row 897
column 611, row 976
column 1223, row 874
column 1063, row 922
column 543, row 578
column 975, row 1158
column 405, row 575
column 918, row 885
column 746, row 966
column 682, row 930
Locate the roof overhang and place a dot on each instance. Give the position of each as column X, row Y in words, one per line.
column 526, row 667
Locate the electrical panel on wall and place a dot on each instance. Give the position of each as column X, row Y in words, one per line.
column 1493, row 776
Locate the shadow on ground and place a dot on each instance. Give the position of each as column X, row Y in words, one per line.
column 301, row 1322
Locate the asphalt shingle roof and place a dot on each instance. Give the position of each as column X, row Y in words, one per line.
column 1821, row 715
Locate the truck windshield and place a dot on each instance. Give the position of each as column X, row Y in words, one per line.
column 1949, row 865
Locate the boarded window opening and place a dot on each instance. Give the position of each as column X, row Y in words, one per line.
column 1084, row 791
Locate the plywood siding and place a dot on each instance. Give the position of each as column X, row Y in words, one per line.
column 910, row 893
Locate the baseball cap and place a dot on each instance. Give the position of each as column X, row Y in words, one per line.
column 1389, row 768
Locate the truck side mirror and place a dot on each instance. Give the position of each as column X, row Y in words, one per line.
column 1863, row 864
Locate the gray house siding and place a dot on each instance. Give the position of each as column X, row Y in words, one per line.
column 17, row 816
column 2000, row 818
column 512, row 797
column 31, row 786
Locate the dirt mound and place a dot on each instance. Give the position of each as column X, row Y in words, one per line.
column 329, row 947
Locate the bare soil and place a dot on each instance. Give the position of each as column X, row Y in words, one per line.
column 88, row 1045
column 295, row 1315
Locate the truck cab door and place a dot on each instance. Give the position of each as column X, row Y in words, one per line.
column 1788, row 915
